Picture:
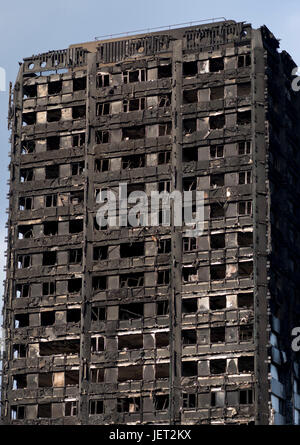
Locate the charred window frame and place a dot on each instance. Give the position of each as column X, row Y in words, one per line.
column 49, row 288
column 24, row 261
column 216, row 151
column 96, row 407
column 103, row 80
column 244, row 148
column 132, row 76
column 75, row 256
column 97, row 344
column 103, row 109
column 101, row 165
column 98, row 313
column 71, row 408
column 51, row 200
column 128, row 404
column 78, row 140
column 161, row 402
column 97, row 375
column 189, row 400
column 26, row 174
column 27, row 147
column 138, row 104
column 165, row 129
column 102, row 136
column 133, row 161
column 164, row 157
column 25, row 203
column 245, row 208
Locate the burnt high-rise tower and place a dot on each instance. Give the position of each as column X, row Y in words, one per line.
column 147, row 325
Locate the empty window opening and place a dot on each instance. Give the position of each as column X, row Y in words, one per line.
column 244, row 148
column 244, row 60
column 189, row 126
column 162, row 307
column 49, row 258
column 19, row 351
column 71, row 408
column 29, row 91
column 216, row 151
column 45, row 380
column 165, row 129
column 103, row 109
column 96, row 407
column 20, row 381
column 133, row 76
column 29, row 118
column 164, row 157
column 97, row 375
column 217, row 241
column 164, row 246
column 131, row 133
column 217, row 302
column 75, row 256
column 135, row 161
column 164, row 186
column 246, row 364
column 72, row 378
column 164, row 71
column 97, row 344
column 190, row 96
column 246, row 396
column 25, row 203
column 244, row 89
column 190, row 155
column 218, row 366
column 74, row 285
column 217, row 399
column 189, row 244
column 162, row 339
column 190, row 306
column 189, row 337
column 131, row 311
column 245, row 208
column 25, row 231
column 189, row 274
column 27, row 147
column 245, row 269
column 161, row 402
column 126, row 373
column 128, row 405
column 77, row 197
column 50, row 228
column 217, row 335
column 17, row 412
column 75, row 226
column 246, row 333
column 217, row 210
column 79, row 84
column 162, row 371
column 54, row 87
column 101, row 165
column 44, row 411
column 54, row 115
column 244, row 117
column 217, row 93
column 245, row 239
column 189, row 184
column 217, row 180
column 52, row 171
column 53, row 143
column 24, row 261
column 245, row 177
column 21, row 321
column 98, row 313
column 189, row 369
column 102, row 136
column 132, row 280
column 188, row 401
column 163, row 277
column 78, row 140
column 129, row 250
column 73, row 315
column 217, row 122
column 59, row 347
column 77, row 168
column 190, row 69
column 164, row 100
column 218, row 272
column 99, row 283
column 102, row 80
column 134, row 104
column 26, row 174
column 51, row 200
column 245, row 300
column 216, row 64
column 100, row 253
column 49, row 288
column 134, row 341
column 47, row 318
column 78, row 112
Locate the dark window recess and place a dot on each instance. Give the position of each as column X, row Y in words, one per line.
column 54, row 115
column 217, row 210
column 75, row 256
column 165, row 129
column 188, row 401
column 246, row 396
column 102, row 80
column 131, row 311
column 162, row 371
column 216, row 151
column 29, row 91
column 44, row 411
column 190, row 69
column 73, row 315
column 164, row 100
column 244, row 148
column 189, row 126
column 96, row 407
column 24, row 261
column 189, row 369
column 51, row 200
column 190, row 155
column 47, row 318
column 164, row 157
column 190, row 306
column 49, row 288
column 79, row 84
column 189, row 274
column 216, row 93
column 245, row 177
column 50, row 228
column 131, row 133
column 216, row 64
column 245, row 239
column 245, row 269
column 164, row 71
column 164, row 186
column 76, row 226
column 217, row 122
column 97, row 375
column 78, row 140
column 71, row 408
column 99, row 283
column 217, row 399
column 98, row 313
column 76, row 197
column 103, row 109
column 244, row 117
column 29, row 118
column 52, row 171
column 133, row 76
column 45, row 380
column 246, row 332
column 49, row 258
column 217, row 335
column 102, row 136
column 189, row 337
column 190, row 96
column 27, row 147
column 25, row 203
column 17, row 412
column 100, row 253
column 129, row 405
column 245, row 300
column 162, row 339
column 78, row 112
column 218, row 366
column 244, row 89
column 161, row 402
column 217, row 180
column 217, row 302
column 77, row 168
column 20, row 381
column 163, row 277
column 162, row 308
column 22, row 290
column 59, row 347
column 246, row 364
column 26, row 174
column 136, row 161
column 134, row 341
column 134, row 104
column 132, row 280
column 244, row 60
column 25, row 231
column 101, row 165
column 72, row 378
column 97, row 344
column 21, row 321
column 129, row 250
column 74, row 285
column 54, row 87
column 139, row 187
column 19, row 351
column 217, row 241
column 189, row 244
column 164, row 246
column 245, row 208
column 126, row 373
column 189, row 184
column 53, row 143
column 218, row 272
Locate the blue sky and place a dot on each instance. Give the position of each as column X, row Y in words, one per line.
column 37, row 26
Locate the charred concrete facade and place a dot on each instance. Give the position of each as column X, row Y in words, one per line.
column 146, row 325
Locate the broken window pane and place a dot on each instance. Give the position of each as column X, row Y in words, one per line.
column 131, row 311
